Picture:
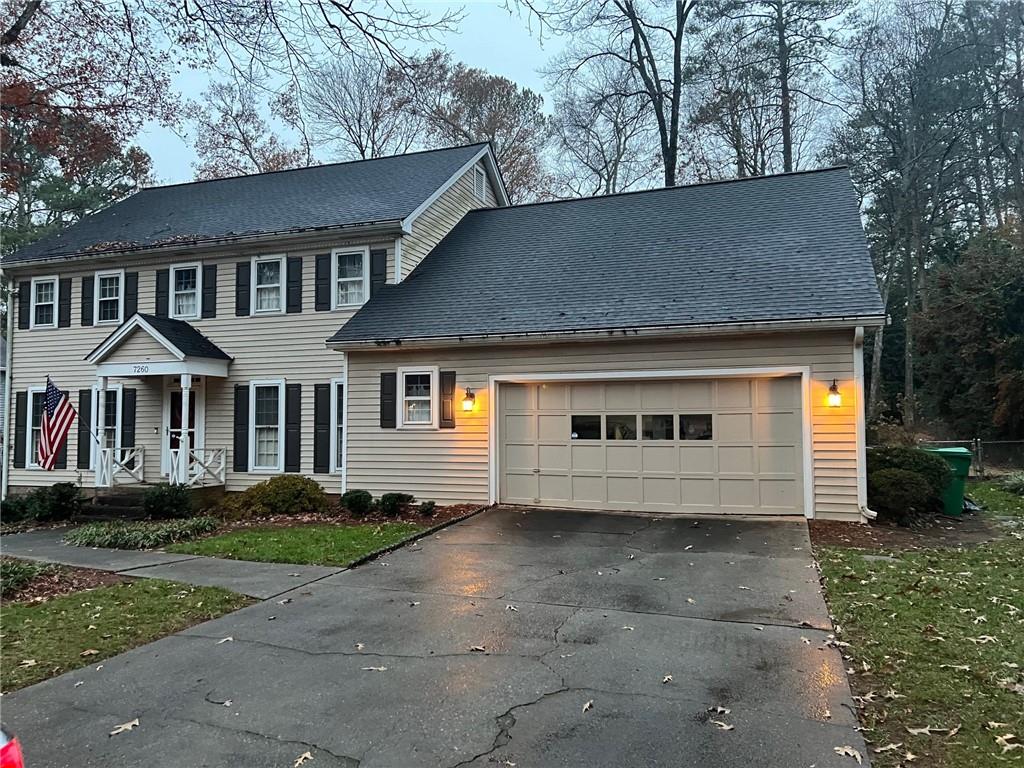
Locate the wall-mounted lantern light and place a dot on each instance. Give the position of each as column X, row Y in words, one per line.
column 468, row 400
column 835, row 399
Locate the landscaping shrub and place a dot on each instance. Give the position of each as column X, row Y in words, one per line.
column 933, row 469
column 139, row 535
column 60, row 501
column 167, row 502
column 1014, row 483
column 900, row 495
column 357, row 502
column 15, row 574
column 392, row 504
column 427, row 507
column 882, row 431
column 280, row 495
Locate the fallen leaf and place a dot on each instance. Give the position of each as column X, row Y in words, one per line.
column 746, row 588
column 125, row 727
column 80, row 682
column 925, row 730
column 691, row 601
column 478, row 649
column 628, row 629
column 722, row 726
column 717, row 710
column 414, row 603
column 658, row 578
column 589, row 705
column 27, row 663
column 227, row 639
column 89, row 652
column 957, row 667
column 374, row 669
column 227, row 702
column 666, row 679
column 688, row 547
column 992, row 725
column 360, row 646
column 805, row 641
column 1008, row 742
column 285, row 601
column 849, row 751
column 890, row 747
column 955, row 731
column 983, row 639
column 909, row 756
column 304, row 757
column 511, row 608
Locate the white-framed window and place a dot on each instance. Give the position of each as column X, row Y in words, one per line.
column 109, row 297
column 350, row 273
column 479, row 183
column 186, row 290
column 418, row 397
column 266, row 426
column 35, row 414
column 43, row 305
column 107, row 428
column 337, row 425
column 267, row 284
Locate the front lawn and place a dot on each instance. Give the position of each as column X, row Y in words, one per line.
column 995, row 499
column 44, row 639
column 337, row 545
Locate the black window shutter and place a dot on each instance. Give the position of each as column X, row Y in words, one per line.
column 378, row 270
column 293, row 428
column 243, row 276
column 209, row 290
column 84, row 423
column 163, row 292
column 24, row 305
column 447, row 420
column 131, row 294
column 322, row 283
column 128, row 421
column 20, row 425
column 240, row 460
column 64, row 303
column 88, row 285
column 294, row 296
column 321, row 428
column 388, row 400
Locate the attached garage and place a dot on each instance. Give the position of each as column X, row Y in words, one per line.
column 693, row 445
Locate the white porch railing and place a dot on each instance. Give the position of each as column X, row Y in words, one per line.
column 113, row 466
column 206, row 466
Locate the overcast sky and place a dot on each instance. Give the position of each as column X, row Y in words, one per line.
column 489, row 38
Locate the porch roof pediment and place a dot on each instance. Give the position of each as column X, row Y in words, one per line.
column 179, row 348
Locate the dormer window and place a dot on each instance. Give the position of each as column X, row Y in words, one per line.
column 479, row 183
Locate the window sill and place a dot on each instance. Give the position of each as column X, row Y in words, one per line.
column 262, row 312
column 41, row 327
column 107, row 322
column 418, row 427
column 265, row 471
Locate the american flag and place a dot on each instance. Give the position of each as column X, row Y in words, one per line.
column 54, row 424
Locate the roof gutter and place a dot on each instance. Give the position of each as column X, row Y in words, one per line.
column 596, row 334
column 7, row 388
column 385, row 226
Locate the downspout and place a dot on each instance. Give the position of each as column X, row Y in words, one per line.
column 861, row 426
column 7, row 385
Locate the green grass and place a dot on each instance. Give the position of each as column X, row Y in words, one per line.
column 139, row 535
column 994, row 498
column 304, row 544
column 109, row 620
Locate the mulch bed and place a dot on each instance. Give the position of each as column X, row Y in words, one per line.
column 57, row 580
column 442, row 514
column 970, row 530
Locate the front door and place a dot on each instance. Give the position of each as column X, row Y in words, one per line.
column 174, row 422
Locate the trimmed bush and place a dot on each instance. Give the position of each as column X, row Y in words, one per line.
column 1014, row 483
column 15, row 574
column 60, row 501
column 427, row 508
column 280, row 495
column 357, row 502
column 392, row 504
column 900, row 495
column 139, row 535
column 933, row 469
column 167, row 502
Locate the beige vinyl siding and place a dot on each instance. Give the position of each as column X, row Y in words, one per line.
column 141, row 346
column 452, row 465
column 277, row 346
column 437, row 221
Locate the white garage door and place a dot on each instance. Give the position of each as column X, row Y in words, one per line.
column 693, row 445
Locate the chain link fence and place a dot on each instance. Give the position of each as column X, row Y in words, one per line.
column 990, row 457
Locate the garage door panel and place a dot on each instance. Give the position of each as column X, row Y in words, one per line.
column 701, row 445
column 736, row 459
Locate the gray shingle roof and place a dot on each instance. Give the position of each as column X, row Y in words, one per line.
column 361, row 192
column 786, row 247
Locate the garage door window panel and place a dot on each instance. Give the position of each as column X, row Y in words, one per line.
column 620, row 427
column 417, row 405
column 660, row 427
column 586, row 427
column 696, row 426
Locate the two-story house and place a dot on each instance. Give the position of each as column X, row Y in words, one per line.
column 394, row 325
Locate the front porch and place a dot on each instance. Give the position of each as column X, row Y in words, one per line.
column 164, row 440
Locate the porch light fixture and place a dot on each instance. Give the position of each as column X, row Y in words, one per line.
column 834, row 398
column 468, row 400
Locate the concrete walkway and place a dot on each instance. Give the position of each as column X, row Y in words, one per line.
column 261, row 580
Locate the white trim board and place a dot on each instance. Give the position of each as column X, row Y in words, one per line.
column 860, row 407
column 803, row 371
column 492, row 171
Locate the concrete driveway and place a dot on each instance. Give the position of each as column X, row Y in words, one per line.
column 540, row 638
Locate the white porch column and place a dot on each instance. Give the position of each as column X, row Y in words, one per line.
column 185, row 442
column 100, row 465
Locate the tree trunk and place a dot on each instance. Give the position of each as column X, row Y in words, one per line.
column 909, row 411
column 876, row 372
column 786, row 97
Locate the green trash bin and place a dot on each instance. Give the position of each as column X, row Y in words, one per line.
column 959, row 460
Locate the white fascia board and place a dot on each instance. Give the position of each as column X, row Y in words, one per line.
column 115, row 339
column 485, row 153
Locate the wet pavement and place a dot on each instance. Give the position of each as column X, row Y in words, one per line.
column 539, row 638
